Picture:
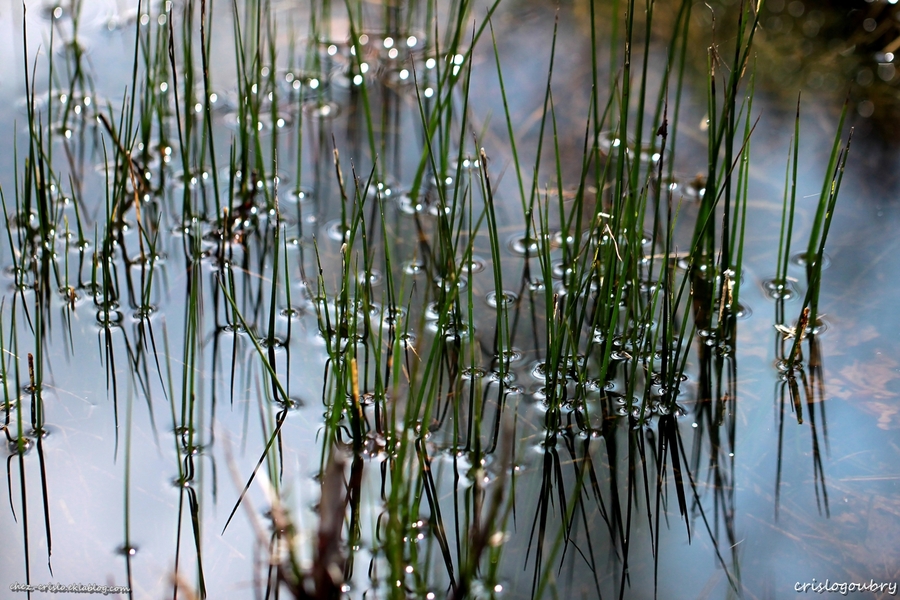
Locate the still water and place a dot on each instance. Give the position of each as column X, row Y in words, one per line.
column 156, row 413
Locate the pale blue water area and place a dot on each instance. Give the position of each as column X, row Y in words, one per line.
column 787, row 503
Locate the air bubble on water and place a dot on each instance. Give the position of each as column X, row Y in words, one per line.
column 454, row 333
column 523, row 245
column 374, row 277
column 274, row 342
column 610, row 141
column 473, row 373
column 292, row 402
column 413, row 267
column 334, row 231
column 511, row 355
column 291, row 312
column 407, row 340
column 108, row 317
column 778, row 289
column 298, row 195
column 468, row 163
column 505, row 298
column 560, row 270
column 506, row 377
column 144, row 312
column 447, row 283
column 619, row 355
column 431, row 311
column 819, row 327
column 233, row 328
column 802, row 260
column 436, row 208
column 408, row 205
column 13, row 445
column 476, row 264
column 322, row 109
column 394, row 315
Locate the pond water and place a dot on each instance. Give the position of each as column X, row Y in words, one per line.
column 152, row 314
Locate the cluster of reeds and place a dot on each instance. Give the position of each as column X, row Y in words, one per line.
column 451, row 349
